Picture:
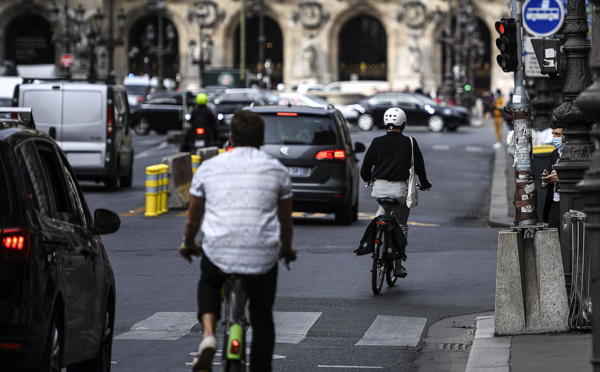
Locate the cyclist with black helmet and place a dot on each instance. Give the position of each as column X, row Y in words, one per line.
column 387, row 165
column 201, row 117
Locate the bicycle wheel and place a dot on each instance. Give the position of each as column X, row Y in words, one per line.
column 378, row 269
column 389, row 273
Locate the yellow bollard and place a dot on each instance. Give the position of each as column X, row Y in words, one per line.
column 195, row 163
column 152, row 188
column 165, row 188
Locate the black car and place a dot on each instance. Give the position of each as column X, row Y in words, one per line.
column 57, row 287
column 420, row 110
column 161, row 112
column 225, row 104
column 315, row 145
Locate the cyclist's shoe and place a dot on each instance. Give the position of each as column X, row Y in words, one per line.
column 401, row 272
column 204, row 360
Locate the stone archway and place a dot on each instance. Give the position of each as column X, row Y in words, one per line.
column 362, row 49
column 29, row 41
column 273, row 47
column 143, row 53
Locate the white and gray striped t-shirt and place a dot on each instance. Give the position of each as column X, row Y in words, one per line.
column 241, row 225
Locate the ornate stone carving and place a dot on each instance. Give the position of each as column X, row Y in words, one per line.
column 414, row 13
column 211, row 14
column 311, row 14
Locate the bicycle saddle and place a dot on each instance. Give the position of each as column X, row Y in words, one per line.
column 387, row 201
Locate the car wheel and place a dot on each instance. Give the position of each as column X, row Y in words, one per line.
column 355, row 209
column 365, row 122
column 51, row 359
column 111, row 183
column 142, row 128
column 127, row 180
column 343, row 216
column 102, row 361
column 435, row 123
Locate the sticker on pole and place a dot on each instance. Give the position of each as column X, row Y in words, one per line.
column 66, row 60
column 543, row 17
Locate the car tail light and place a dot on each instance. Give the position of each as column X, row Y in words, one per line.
column 140, row 99
column 15, row 242
column 331, row 155
column 110, row 121
column 230, row 149
column 200, row 131
column 287, row 114
column 10, row 346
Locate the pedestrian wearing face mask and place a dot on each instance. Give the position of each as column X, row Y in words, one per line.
column 550, row 180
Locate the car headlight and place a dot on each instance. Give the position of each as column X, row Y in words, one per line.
column 220, row 116
column 358, row 108
column 429, row 109
column 447, row 112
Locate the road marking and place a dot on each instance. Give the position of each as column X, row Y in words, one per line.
column 394, row 331
column 350, row 367
column 441, row 147
column 474, row 148
column 161, row 326
column 291, row 327
column 134, row 211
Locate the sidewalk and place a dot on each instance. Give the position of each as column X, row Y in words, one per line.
column 522, row 353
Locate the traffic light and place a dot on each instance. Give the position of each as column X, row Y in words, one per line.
column 507, row 44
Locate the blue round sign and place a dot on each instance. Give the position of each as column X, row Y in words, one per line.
column 543, row 17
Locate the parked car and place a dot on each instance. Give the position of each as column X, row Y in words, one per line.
column 315, row 145
column 57, row 287
column 90, row 122
column 419, row 109
column 297, row 99
column 161, row 112
column 229, row 102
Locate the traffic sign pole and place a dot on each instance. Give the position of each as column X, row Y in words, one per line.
column 525, row 197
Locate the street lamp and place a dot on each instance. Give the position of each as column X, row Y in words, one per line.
column 70, row 36
column 160, row 50
column 110, row 42
column 447, row 85
column 205, row 44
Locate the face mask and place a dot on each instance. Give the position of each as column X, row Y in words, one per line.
column 558, row 143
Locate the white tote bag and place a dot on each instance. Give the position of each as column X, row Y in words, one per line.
column 412, row 198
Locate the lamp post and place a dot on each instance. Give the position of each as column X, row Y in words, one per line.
column 589, row 102
column 576, row 154
column 205, row 44
column 447, row 85
column 69, row 35
column 110, row 42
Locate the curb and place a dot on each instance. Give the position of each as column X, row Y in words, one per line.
column 488, row 353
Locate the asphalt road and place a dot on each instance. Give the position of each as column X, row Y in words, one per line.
column 327, row 316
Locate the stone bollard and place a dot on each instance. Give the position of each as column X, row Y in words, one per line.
column 531, row 296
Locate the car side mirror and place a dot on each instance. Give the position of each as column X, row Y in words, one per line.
column 359, row 147
column 106, row 221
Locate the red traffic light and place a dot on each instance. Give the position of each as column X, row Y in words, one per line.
column 501, row 28
column 507, row 44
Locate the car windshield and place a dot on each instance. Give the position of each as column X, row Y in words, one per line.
column 137, row 89
column 237, row 97
column 299, row 130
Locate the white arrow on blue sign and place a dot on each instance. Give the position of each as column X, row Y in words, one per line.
column 543, row 17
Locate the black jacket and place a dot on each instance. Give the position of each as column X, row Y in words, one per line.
column 388, row 158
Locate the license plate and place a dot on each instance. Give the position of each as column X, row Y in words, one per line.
column 298, row 171
column 199, row 143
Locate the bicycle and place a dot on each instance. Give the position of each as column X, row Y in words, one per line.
column 382, row 266
column 235, row 322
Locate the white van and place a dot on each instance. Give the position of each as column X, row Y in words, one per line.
column 90, row 122
column 365, row 87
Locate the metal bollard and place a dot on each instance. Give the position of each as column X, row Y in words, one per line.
column 195, row 162
column 165, row 188
column 152, row 190
column 580, row 300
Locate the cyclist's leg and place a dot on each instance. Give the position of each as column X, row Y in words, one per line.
column 261, row 296
column 381, row 189
column 209, row 295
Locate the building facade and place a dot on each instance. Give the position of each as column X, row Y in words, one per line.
column 406, row 42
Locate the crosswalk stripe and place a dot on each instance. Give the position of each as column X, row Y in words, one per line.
column 394, row 331
column 161, row 326
column 292, row 327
